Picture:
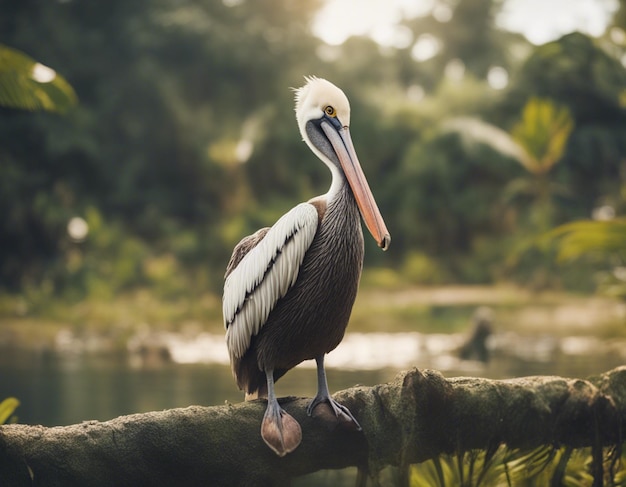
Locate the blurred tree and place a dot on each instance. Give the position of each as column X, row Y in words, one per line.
column 619, row 19
column 537, row 142
column 185, row 140
column 576, row 73
column 459, row 39
column 161, row 84
column 448, row 204
column 471, row 36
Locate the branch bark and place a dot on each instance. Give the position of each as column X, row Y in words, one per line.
column 417, row 416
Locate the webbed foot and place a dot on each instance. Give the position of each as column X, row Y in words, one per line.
column 280, row 431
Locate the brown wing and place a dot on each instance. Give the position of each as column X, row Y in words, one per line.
column 243, row 247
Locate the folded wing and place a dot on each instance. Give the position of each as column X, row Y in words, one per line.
column 262, row 269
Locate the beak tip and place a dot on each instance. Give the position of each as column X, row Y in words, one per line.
column 385, row 242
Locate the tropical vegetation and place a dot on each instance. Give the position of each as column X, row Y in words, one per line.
column 167, row 134
column 139, row 141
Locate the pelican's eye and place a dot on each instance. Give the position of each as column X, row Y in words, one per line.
column 330, row 111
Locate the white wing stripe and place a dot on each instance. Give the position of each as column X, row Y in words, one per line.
column 265, row 275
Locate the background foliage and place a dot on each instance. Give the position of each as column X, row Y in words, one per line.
column 184, row 141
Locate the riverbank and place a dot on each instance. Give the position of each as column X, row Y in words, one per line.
column 112, row 324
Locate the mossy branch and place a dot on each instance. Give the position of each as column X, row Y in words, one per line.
column 417, row 416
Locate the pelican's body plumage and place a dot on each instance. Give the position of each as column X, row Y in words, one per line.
column 289, row 289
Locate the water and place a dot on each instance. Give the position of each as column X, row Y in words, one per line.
column 60, row 389
column 57, row 386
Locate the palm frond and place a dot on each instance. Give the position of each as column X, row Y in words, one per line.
column 543, row 132
column 503, row 466
column 475, row 131
column 585, row 237
column 28, row 85
column 7, row 408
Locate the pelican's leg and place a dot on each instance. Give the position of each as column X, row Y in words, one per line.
column 343, row 413
column 280, row 431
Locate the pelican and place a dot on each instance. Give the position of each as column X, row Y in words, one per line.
column 289, row 289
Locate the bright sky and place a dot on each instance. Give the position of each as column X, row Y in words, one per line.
column 539, row 20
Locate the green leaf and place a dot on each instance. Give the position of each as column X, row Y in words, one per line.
column 28, row 85
column 543, row 132
column 7, row 407
column 585, row 237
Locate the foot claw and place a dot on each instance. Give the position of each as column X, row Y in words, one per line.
column 339, row 412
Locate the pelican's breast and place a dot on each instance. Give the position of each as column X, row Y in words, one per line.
column 312, row 317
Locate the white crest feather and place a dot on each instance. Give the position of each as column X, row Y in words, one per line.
column 265, row 275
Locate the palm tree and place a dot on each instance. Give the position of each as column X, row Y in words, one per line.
column 542, row 133
column 537, row 142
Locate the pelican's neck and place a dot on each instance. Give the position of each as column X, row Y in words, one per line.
column 339, row 236
column 321, row 147
column 341, row 205
column 337, row 184
column 338, row 198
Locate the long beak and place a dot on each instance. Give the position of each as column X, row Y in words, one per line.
column 342, row 143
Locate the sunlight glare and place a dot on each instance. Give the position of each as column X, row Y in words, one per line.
column 498, row 78
column 426, row 47
column 455, row 69
column 77, row 229
column 415, row 93
column 443, row 13
column 542, row 21
column 42, row 74
column 339, row 19
column 243, row 150
column 539, row 20
column 603, row 213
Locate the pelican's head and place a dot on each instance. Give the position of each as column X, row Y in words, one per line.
column 320, row 100
column 323, row 115
column 316, row 98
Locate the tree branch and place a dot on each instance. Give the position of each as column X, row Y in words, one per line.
column 417, row 416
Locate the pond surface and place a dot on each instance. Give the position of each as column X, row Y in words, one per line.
column 57, row 386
